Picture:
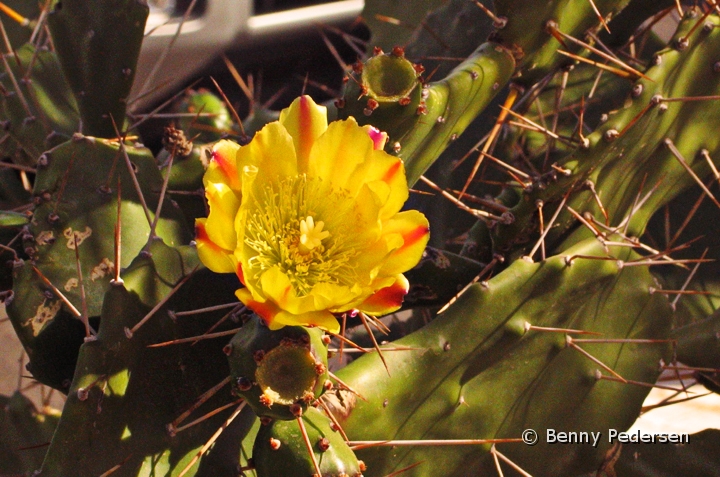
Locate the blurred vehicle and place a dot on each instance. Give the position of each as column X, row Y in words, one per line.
column 184, row 37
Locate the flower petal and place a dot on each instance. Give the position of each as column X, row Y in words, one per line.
column 378, row 137
column 387, row 299
column 305, row 121
column 322, row 319
column 224, row 205
column 336, row 154
column 272, row 152
column 414, row 229
column 216, row 258
column 388, row 170
column 223, row 165
column 276, row 318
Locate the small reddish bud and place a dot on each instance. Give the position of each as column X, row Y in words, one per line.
column 323, row 444
column 419, row 69
column 398, row 51
column 357, row 67
column 340, row 103
column 320, row 368
column 227, row 349
column 258, row 356
column 296, row 410
column 377, row 51
column 274, row 443
column 404, row 101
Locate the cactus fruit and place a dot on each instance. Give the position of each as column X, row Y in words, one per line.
column 278, row 373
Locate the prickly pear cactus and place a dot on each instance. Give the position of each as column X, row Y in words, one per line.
column 563, row 154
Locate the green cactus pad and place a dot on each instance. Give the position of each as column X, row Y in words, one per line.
column 36, row 114
column 76, row 193
column 125, row 393
column 98, row 44
column 480, row 374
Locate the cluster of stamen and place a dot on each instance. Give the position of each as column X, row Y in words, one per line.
column 282, row 231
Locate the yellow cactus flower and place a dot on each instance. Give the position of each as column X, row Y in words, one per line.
column 308, row 217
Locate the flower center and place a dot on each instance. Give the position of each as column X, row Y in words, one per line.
column 282, row 231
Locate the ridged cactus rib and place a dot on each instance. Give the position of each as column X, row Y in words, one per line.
column 124, row 394
column 280, row 449
column 479, row 373
column 526, row 30
column 449, row 106
column 640, row 148
column 76, row 192
column 98, row 44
